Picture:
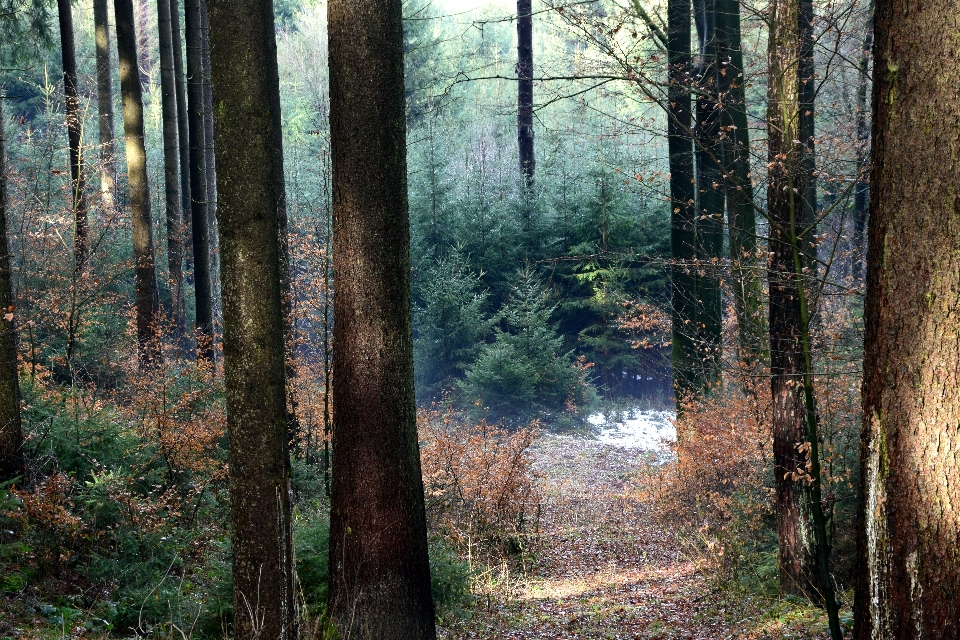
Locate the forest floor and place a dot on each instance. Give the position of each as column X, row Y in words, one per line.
column 603, row 567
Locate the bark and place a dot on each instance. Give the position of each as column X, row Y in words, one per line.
column 909, row 534
column 710, row 198
column 798, row 567
column 379, row 569
column 198, row 184
column 183, row 131
column 250, row 167
column 147, row 298
column 210, row 167
column 528, row 163
column 861, row 198
column 741, row 215
column 682, row 196
column 108, row 171
column 11, row 433
column 78, row 200
column 171, row 170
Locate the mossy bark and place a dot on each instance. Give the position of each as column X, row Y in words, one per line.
column 108, row 171
column 246, row 95
column 909, row 534
column 203, row 287
column 147, row 298
column 171, row 170
column 379, row 569
column 682, row 200
column 78, row 198
column 528, row 163
column 11, row 433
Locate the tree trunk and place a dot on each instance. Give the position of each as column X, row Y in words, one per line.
column 741, row 216
column 710, row 198
column 798, row 568
column 198, row 184
column 528, row 163
column 861, row 198
column 11, row 434
column 148, row 300
column 183, row 132
column 78, row 200
column 210, row 167
column 682, row 197
column 171, row 170
column 250, row 166
column 379, row 569
column 108, row 170
column 909, row 534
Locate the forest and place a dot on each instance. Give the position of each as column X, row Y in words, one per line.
column 419, row 319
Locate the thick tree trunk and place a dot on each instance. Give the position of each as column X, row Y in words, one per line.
column 741, row 215
column 108, row 171
column 710, row 198
column 198, row 184
column 861, row 198
column 171, row 170
column 528, row 163
column 11, row 434
column 909, row 535
column 682, row 197
column 183, row 132
column 798, row 574
column 250, row 162
column 78, row 199
column 148, row 300
column 379, row 570
column 210, row 167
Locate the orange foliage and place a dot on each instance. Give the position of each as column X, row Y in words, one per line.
column 481, row 491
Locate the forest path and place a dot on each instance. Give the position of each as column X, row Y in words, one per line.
column 604, row 568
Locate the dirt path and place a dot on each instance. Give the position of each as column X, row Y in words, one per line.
column 604, row 569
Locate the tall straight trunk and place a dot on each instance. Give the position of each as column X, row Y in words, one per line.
column 210, row 167
column 861, row 198
column 528, row 163
column 379, row 570
column 171, row 169
column 741, row 215
column 143, row 41
column 682, row 196
column 909, row 525
column 807, row 118
column 183, row 130
column 250, row 161
column 801, row 523
column 11, row 433
column 710, row 198
column 78, row 200
column 148, row 300
column 198, row 184
column 108, row 171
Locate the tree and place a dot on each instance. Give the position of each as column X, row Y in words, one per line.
column 78, row 199
column 528, row 163
column 801, row 523
column 249, row 147
column 210, row 166
column 682, row 199
column 379, row 569
column 861, row 199
column 147, row 297
column 108, row 171
column 908, row 567
column 183, row 131
column 11, row 434
column 203, row 287
column 741, row 217
column 171, row 169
